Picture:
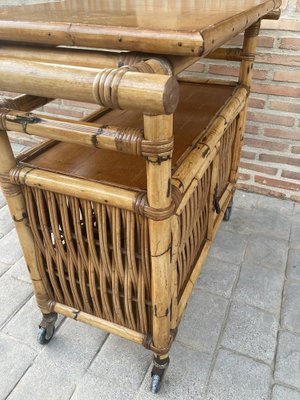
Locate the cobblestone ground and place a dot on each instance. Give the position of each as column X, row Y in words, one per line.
column 239, row 339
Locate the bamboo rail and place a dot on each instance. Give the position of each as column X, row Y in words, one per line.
column 113, row 88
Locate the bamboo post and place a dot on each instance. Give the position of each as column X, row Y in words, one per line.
column 245, row 79
column 157, row 127
column 17, row 208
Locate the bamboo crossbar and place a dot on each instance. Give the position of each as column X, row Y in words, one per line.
column 230, row 54
column 194, row 77
column 100, row 323
column 125, row 140
column 113, row 88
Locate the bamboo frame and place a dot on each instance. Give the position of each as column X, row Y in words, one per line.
column 113, row 88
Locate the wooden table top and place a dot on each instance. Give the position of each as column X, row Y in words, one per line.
column 167, row 26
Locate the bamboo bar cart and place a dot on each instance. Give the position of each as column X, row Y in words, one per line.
column 116, row 212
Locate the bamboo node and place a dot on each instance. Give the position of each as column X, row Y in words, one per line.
column 129, row 140
column 248, row 57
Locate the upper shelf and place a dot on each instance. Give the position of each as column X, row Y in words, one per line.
column 190, row 27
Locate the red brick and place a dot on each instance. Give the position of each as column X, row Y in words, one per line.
column 280, row 159
column 298, row 5
column 291, row 175
column 280, row 59
column 264, row 144
column 257, row 103
column 287, row 185
column 248, row 154
column 270, row 118
column 287, row 76
column 196, row 67
column 244, row 177
column 285, row 24
column 295, row 198
column 282, row 134
column 234, row 71
column 252, row 129
column 259, row 168
column 290, row 43
column 258, row 189
column 296, row 149
column 285, row 106
column 277, row 90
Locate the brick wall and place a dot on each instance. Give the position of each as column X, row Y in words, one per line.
column 271, row 152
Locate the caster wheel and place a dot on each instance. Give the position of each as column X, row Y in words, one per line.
column 227, row 213
column 45, row 335
column 155, row 383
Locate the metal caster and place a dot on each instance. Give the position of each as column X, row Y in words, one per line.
column 228, row 211
column 46, row 328
column 158, row 372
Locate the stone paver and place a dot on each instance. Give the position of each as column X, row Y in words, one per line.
column 226, row 343
column 218, row 276
column 291, row 307
column 113, row 365
column 287, row 369
column 260, row 287
column 283, row 393
column 229, row 247
column 15, row 359
column 13, row 294
column 267, row 251
column 2, row 199
column 61, row 363
column 293, row 264
column 251, row 331
column 202, row 321
column 10, row 248
column 6, row 222
column 238, row 377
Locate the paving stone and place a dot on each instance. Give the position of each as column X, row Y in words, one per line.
column 236, row 377
column 293, row 264
column 291, row 307
column 24, row 325
column 229, row 247
column 2, row 199
column 117, row 357
column 91, row 387
column 295, row 233
column 19, row 271
column 297, row 210
column 262, row 221
column 18, row 148
column 260, row 287
column 61, row 364
column 6, row 222
column 10, row 250
column 202, row 321
column 283, row 393
column 266, row 251
column 245, row 200
column 251, row 332
column 218, row 276
column 13, row 294
column 15, row 359
column 287, row 368
column 284, row 207
column 185, row 378
column 3, row 268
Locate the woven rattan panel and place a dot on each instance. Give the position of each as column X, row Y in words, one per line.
column 198, row 104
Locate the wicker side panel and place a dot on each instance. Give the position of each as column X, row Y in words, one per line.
column 93, row 257
column 193, row 223
column 226, row 155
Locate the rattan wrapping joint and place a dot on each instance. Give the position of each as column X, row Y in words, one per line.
column 129, row 140
column 148, row 344
column 157, row 151
column 253, row 30
column 9, row 189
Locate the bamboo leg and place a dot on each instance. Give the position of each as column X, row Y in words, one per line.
column 158, row 127
column 16, row 204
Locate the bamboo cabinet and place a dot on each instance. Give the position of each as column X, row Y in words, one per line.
column 116, row 212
